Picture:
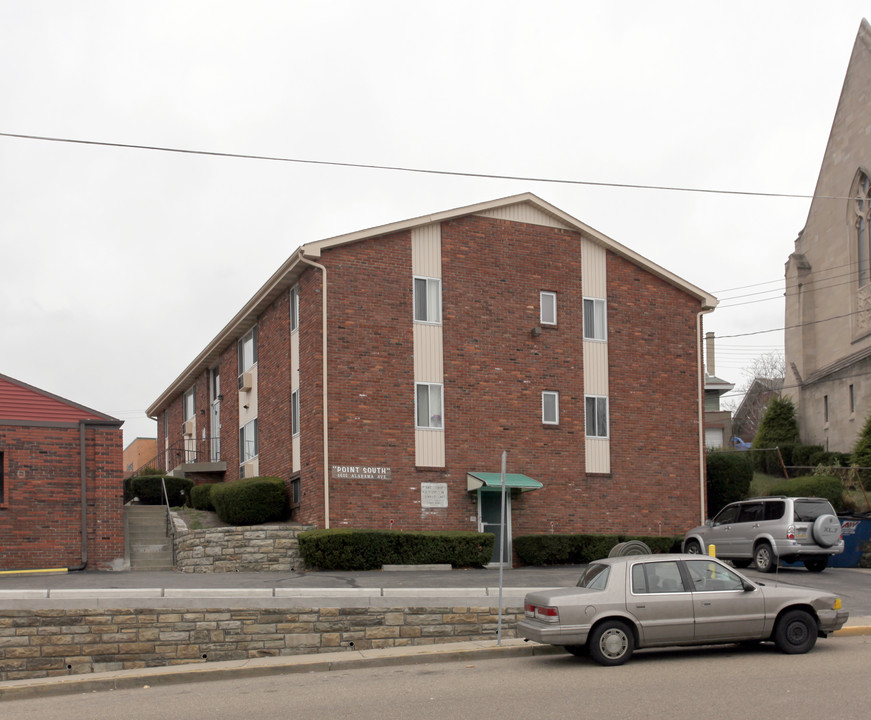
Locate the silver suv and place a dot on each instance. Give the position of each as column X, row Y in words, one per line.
column 767, row 529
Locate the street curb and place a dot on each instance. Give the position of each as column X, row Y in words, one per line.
column 263, row 667
column 854, row 630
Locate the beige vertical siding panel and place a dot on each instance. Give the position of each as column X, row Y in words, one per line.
column 426, row 260
column 426, row 251
column 524, row 213
column 595, row 368
column 428, row 353
column 598, row 455
column 595, row 285
column 429, row 448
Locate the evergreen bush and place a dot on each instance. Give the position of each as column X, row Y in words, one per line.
column 149, row 490
column 251, row 501
column 777, row 429
column 201, row 497
column 581, row 548
column 729, row 475
column 861, row 455
column 823, row 486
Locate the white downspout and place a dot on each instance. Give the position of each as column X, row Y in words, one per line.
column 701, row 400
column 326, row 422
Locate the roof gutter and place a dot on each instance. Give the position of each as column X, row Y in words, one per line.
column 325, row 398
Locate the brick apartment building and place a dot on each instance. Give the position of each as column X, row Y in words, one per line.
column 433, row 345
column 61, row 503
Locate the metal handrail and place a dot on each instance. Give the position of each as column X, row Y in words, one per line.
column 182, row 452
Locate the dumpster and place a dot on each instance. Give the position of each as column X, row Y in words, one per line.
column 856, row 531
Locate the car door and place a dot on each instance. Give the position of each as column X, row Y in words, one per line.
column 722, row 530
column 658, row 598
column 723, row 608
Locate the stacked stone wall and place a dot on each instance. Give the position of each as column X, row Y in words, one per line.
column 264, row 548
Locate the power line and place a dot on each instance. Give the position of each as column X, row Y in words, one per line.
column 425, row 171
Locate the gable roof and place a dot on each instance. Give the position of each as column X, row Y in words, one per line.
column 525, row 207
column 23, row 403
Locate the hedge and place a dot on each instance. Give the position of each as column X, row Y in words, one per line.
column 348, row 549
column 149, row 490
column 251, row 501
column 729, row 475
column 201, row 497
column 824, row 486
column 578, row 548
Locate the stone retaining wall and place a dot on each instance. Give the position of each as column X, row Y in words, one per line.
column 49, row 643
column 263, row 548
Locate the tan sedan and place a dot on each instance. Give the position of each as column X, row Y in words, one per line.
column 624, row 603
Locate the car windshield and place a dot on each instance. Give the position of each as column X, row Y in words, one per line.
column 595, row 577
column 810, row 510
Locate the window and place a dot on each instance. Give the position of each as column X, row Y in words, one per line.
column 248, row 350
column 294, row 308
column 295, row 493
column 596, row 416
column 656, row 577
column 548, row 307
column 294, row 412
column 188, row 409
column 248, row 442
column 2, row 489
column 594, row 319
column 427, row 300
column 428, row 405
column 862, row 210
column 710, row 576
column 727, row 515
column 825, row 408
column 550, row 407
column 852, row 401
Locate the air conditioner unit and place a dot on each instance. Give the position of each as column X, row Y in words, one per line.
column 248, row 470
column 246, row 381
column 188, row 427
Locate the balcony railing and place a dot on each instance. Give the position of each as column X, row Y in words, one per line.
column 184, row 452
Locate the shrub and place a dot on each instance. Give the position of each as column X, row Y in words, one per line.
column 580, row 548
column 149, row 490
column 824, row 486
column 802, row 454
column 777, row 429
column 347, row 549
column 201, row 497
column 251, row 501
column 861, row 455
column 729, row 476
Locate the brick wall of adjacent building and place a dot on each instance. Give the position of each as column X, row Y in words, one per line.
column 52, row 643
column 40, row 521
column 495, row 371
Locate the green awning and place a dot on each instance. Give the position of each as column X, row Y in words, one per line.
column 493, row 481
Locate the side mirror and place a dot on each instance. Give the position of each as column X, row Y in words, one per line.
column 709, row 523
column 748, row 587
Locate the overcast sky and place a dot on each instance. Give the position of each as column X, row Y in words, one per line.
column 119, row 265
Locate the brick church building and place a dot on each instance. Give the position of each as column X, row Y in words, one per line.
column 382, row 374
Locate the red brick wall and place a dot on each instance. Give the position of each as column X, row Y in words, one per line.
column 495, row 372
column 40, row 522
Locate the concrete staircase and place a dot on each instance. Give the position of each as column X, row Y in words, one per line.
column 148, row 546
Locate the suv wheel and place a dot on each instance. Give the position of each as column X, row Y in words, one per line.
column 764, row 558
column 817, row 563
column 693, row 547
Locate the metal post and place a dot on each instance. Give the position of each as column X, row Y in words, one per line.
column 501, row 549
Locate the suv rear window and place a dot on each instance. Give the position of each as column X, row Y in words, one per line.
column 810, row 510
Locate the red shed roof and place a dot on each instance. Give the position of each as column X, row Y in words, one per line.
column 22, row 402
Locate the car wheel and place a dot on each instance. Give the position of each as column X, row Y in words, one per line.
column 577, row 650
column 764, row 558
column 795, row 632
column 693, row 547
column 611, row 643
column 826, row 530
column 817, row 564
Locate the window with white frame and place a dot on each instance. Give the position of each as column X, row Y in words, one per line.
column 294, row 308
column 550, row 407
column 188, row 408
column 427, row 300
column 862, row 214
column 595, row 327
column 596, row 416
column 428, row 406
column 547, row 300
column 248, row 350
column 294, row 412
column 248, row 449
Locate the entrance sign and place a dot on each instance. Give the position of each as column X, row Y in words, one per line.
column 360, row 472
